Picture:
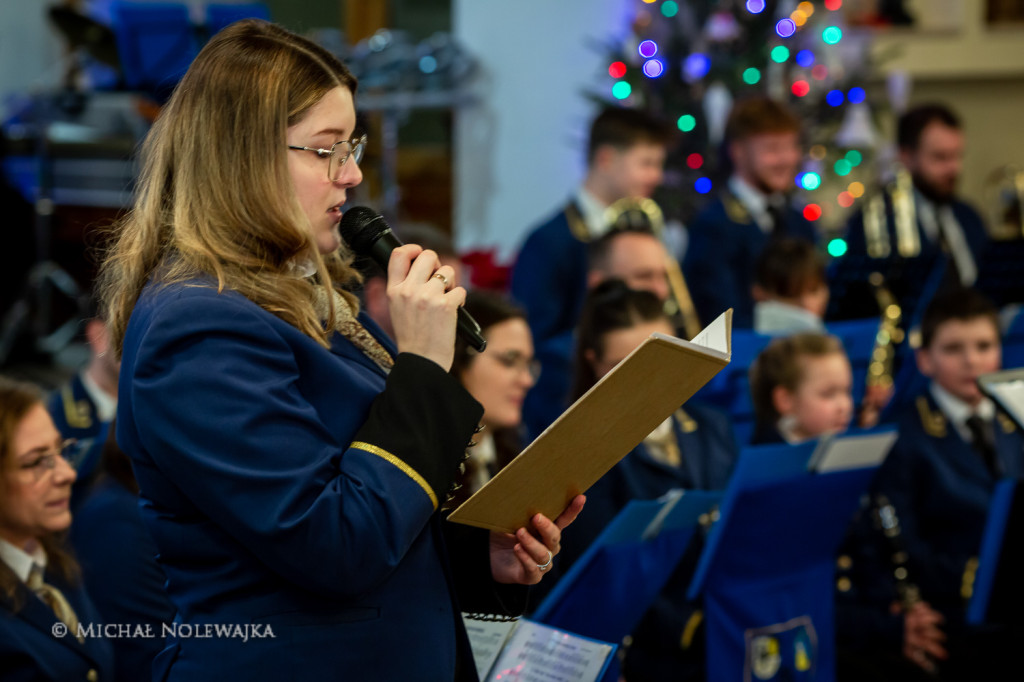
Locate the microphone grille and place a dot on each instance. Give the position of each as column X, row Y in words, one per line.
column 361, row 227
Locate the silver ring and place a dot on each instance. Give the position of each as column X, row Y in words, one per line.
column 441, row 277
column 547, row 564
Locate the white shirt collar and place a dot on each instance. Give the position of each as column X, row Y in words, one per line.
column 20, row 561
column 106, row 404
column 777, row 317
column 755, row 201
column 957, row 411
column 592, row 211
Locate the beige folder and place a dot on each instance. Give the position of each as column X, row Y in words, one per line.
column 600, row 428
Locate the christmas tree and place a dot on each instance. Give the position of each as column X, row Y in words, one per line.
column 688, row 62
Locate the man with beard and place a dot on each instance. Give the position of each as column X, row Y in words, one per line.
column 922, row 240
column 728, row 235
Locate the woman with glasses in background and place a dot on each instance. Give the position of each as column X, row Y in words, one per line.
column 291, row 458
column 498, row 378
column 42, row 602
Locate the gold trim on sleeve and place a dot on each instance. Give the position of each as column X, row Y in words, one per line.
column 402, row 466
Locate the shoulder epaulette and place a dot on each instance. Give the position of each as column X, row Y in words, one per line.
column 76, row 412
column 932, row 421
column 735, row 210
column 687, row 423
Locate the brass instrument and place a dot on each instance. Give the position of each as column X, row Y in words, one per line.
column 1005, row 195
column 876, row 233
column 642, row 213
column 890, row 334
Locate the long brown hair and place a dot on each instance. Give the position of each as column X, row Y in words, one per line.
column 215, row 196
column 17, row 399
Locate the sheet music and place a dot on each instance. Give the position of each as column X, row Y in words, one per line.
column 538, row 653
column 486, row 638
column 852, row 452
column 1010, row 395
column 716, row 335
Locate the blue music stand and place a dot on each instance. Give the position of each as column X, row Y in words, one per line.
column 998, row 593
column 606, row 592
column 156, row 42
column 767, row 570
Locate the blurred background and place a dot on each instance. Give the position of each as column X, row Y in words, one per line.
column 477, row 112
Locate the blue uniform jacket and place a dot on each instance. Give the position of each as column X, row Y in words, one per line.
column 907, row 278
column 549, row 279
column 724, row 246
column 121, row 573
column 74, row 415
column 293, row 489
column 941, row 489
column 31, row 652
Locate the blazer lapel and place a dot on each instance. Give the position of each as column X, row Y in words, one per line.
column 40, row 616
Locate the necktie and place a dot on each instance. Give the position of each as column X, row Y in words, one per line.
column 53, row 598
column 777, row 213
column 983, row 441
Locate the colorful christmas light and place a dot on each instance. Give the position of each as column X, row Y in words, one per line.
column 837, row 247
column 653, row 68
column 617, row 69
column 686, row 123
column 785, row 28
column 621, row 90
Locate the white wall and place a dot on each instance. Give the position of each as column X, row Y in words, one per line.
column 519, row 151
column 30, row 50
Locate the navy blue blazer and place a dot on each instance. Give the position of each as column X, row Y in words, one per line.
column 74, row 415
column 30, row 652
column 941, row 490
column 549, row 279
column 725, row 243
column 121, row 573
column 293, row 489
column 906, row 278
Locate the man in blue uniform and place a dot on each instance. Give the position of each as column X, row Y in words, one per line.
column 84, row 407
column 625, row 158
column 914, row 227
column 953, row 446
column 728, row 235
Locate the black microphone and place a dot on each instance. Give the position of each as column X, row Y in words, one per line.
column 368, row 234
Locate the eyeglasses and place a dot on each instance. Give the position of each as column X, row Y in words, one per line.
column 338, row 154
column 45, row 460
column 513, row 359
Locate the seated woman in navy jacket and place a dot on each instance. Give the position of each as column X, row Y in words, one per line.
column 693, row 449
column 499, row 379
column 290, row 457
column 42, row 602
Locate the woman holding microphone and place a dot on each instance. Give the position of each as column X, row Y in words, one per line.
column 291, row 459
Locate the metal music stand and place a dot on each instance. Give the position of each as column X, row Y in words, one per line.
column 34, row 311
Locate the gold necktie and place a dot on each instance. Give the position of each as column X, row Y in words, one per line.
column 55, row 599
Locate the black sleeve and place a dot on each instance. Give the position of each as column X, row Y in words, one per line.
column 425, row 418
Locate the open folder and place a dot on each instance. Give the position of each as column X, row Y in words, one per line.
column 600, row 428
